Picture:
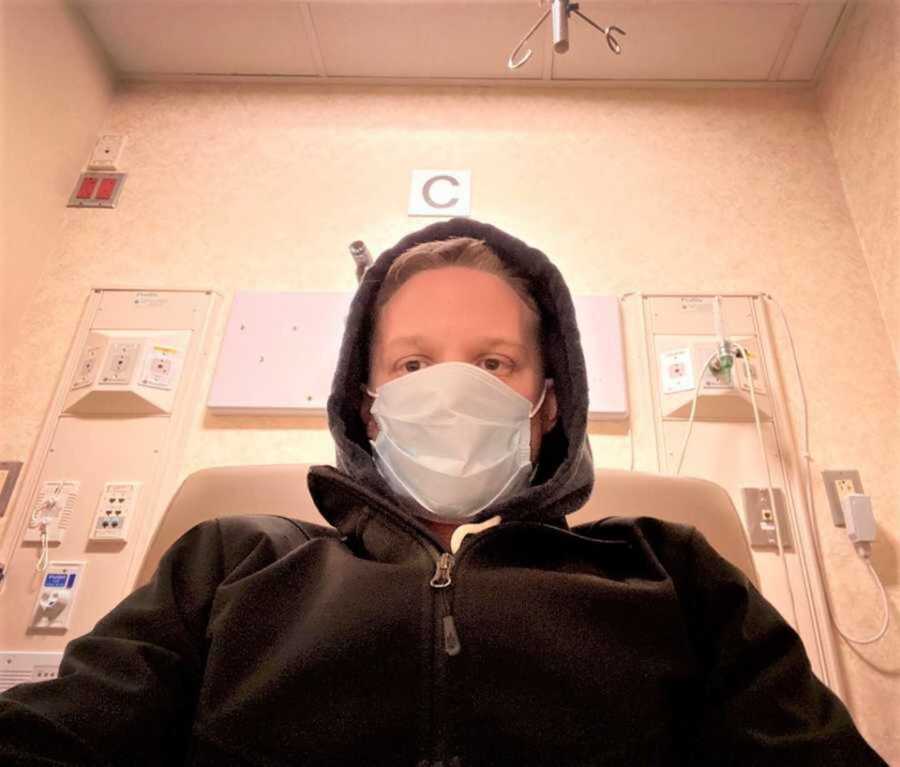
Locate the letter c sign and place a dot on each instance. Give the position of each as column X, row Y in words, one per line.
column 440, row 193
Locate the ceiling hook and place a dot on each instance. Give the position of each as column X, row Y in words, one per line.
column 516, row 64
column 610, row 40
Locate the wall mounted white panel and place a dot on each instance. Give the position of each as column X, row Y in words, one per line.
column 279, row 353
column 280, row 350
column 600, row 328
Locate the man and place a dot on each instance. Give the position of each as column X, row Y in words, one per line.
column 450, row 616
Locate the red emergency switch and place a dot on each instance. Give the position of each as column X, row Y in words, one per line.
column 96, row 190
column 86, row 190
column 107, row 187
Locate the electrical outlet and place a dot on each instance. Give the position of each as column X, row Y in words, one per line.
column 107, row 152
column 840, row 483
column 844, row 487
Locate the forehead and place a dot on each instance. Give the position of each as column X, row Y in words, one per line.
column 455, row 302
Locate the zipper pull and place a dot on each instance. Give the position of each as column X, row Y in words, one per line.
column 441, row 579
column 452, row 644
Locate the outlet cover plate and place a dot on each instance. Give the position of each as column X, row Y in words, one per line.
column 831, row 478
column 107, row 152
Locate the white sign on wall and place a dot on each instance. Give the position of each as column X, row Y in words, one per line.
column 440, row 193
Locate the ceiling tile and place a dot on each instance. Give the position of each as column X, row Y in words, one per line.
column 426, row 40
column 812, row 40
column 260, row 37
column 692, row 41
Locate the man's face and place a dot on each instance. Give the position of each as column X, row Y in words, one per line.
column 460, row 314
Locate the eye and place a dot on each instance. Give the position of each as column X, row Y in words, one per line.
column 411, row 365
column 497, row 365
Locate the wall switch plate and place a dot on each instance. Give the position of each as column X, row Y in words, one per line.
column 107, row 152
column 761, row 520
column 97, row 189
column 838, row 483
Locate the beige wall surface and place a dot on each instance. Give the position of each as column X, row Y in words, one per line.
column 55, row 91
column 263, row 186
column 859, row 96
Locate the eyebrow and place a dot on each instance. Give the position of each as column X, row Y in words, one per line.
column 420, row 341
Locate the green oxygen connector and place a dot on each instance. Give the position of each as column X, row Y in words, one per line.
column 723, row 364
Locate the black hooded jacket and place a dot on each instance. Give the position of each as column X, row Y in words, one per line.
column 263, row 642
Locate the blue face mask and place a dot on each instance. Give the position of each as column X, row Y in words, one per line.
column 454, row 438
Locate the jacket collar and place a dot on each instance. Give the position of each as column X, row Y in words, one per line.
column 382, row 527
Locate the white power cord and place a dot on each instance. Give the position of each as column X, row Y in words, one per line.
column 765, row 457
column 687, row 436
column 745, row 356
column 862, row 550
column 631, row 440
column 41, row 520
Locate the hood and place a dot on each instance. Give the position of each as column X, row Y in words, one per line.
column 565, row 473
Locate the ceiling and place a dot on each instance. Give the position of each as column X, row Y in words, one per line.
column 760, row 42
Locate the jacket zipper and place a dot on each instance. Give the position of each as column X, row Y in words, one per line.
column 441, row 582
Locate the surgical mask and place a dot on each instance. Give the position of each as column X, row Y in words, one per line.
column 454, row 438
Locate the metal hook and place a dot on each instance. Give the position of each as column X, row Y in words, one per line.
column 610, row 40
column 516, row 64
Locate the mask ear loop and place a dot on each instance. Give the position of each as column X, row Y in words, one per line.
column 540, row 402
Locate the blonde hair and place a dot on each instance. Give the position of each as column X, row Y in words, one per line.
column 456, row 251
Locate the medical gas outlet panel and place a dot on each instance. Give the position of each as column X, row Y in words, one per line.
column 123, row 373
column 105, row 463
column 719, row 413
column 721, row 378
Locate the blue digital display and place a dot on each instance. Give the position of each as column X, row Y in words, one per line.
column 55, row 580
column 71, row 580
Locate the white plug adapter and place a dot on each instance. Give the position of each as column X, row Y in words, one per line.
column 858, row 517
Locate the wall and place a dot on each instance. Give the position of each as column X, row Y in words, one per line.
column 51, row 107
column 262, row 186
column 859, row 96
